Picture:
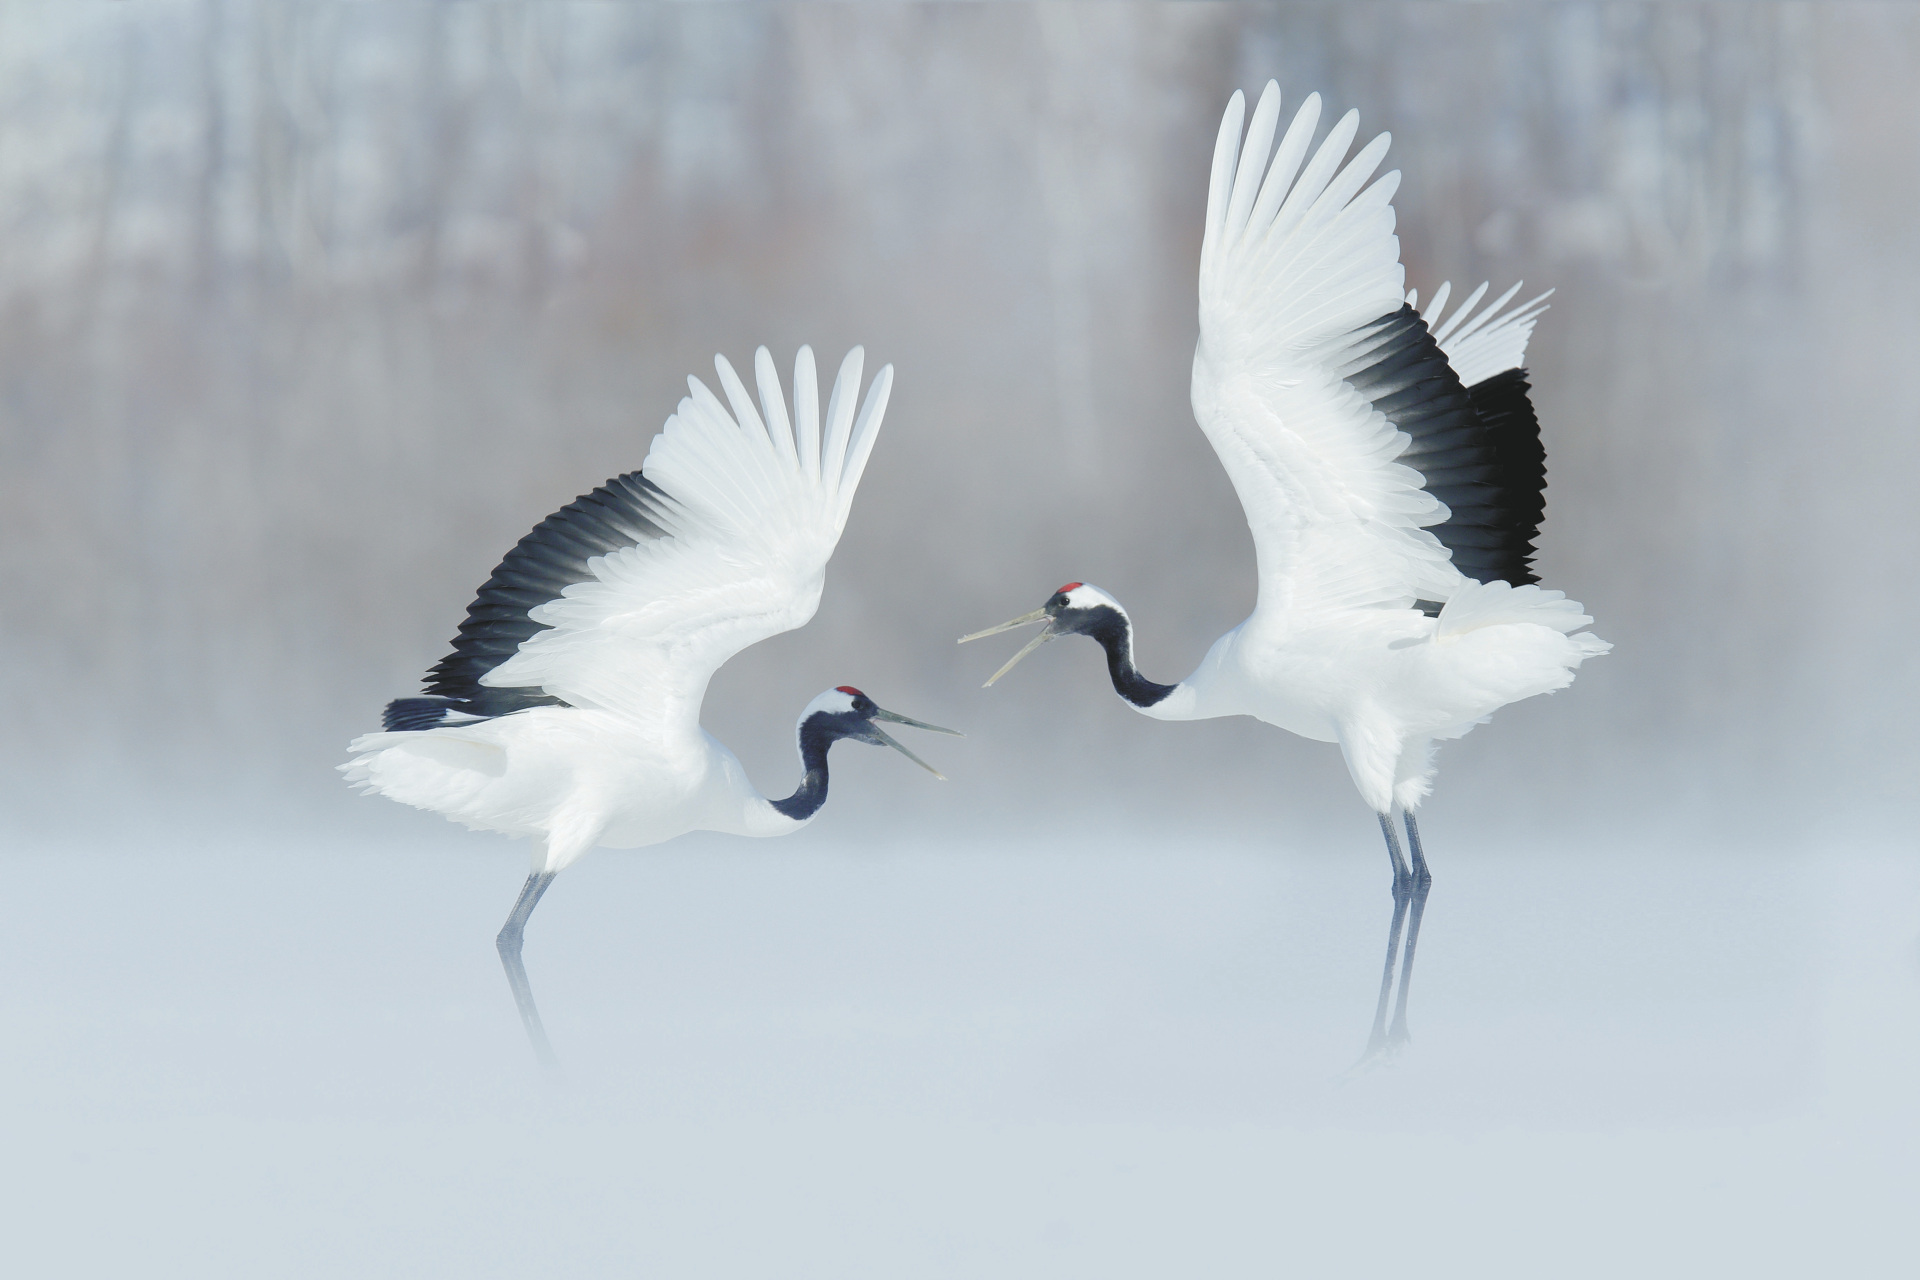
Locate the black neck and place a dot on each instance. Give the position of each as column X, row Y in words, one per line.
column 804, row 803
column 1116, row 637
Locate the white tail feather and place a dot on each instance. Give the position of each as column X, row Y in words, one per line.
column 1492, row 604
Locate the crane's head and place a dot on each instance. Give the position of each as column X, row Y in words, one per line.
column 845, row 712
column 1077, row 609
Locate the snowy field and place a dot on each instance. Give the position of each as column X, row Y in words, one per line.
column 967, row 1061
column 309, row 311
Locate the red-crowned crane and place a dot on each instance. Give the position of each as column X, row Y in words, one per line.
column 1391, row 471
column 569, row 709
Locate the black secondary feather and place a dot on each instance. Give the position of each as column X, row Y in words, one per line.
column 1478, row 449
column 1520, row 462
column 406, row 715
column 621, row 513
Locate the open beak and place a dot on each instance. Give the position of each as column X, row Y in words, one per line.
column 882, row 737
column 1046, row 634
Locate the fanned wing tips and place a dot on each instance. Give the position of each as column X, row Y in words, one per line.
column 1383, row 459
column 839, row 424
column 866, row 429
column 731, row 462
column 1226, row 147
column 1490, row 342
column 751, row 505
column 1287, row 259
column 629, row 597
column 1299, row 268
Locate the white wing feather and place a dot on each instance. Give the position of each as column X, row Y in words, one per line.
column 758, row 502
column 1490, row 343
column 1286, row 278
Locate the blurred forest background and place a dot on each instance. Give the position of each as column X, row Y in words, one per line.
column 308, row 311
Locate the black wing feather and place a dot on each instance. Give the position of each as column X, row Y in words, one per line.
column 621, row 513
column 1520, row 461
column 1477, row 448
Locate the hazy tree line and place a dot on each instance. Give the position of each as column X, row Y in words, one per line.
column 307, row 311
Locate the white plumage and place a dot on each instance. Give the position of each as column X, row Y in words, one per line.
column 1342, row 423
column 753, row 507
column 1492, row 342
column 570, row 710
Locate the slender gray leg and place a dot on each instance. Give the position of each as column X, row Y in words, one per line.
column 1378, row 1040
column 1399, row 1033
column 509, row 944
column 1420, row 871
column 1422, row 881
column 1402, row 877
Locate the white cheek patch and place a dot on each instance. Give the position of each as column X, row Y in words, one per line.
column 833, row 700
column 1088, row 597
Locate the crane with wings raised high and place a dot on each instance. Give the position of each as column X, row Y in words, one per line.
column 569, row 709
column 1392, row 474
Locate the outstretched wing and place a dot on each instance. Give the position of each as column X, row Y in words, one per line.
column 630, row 598
column 1309, row 364
column 557, row 554
column 1493, row 480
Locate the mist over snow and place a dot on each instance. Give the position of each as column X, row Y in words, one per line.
column 309, row 311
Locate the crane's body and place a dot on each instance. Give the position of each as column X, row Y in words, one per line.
column 1390, row 467
column 569, row 709
column 556, row 774
column 1384, row 684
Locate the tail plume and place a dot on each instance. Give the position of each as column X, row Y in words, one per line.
column 1491, row 604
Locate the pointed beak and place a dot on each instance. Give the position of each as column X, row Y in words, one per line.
column 882, row 738
column 892, row 718
column 1025, row 619
column 1038, row 615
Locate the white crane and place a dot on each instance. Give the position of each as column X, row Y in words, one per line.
column 569, row 709
column 1391, row 473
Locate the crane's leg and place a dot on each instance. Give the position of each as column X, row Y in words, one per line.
column 1422, row 881
column 1402, row 877
column 1378, row 1040
column 1420, row 872
column 509, row 944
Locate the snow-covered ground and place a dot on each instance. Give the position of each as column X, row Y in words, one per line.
column 307, row 312
column 959, row 1061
